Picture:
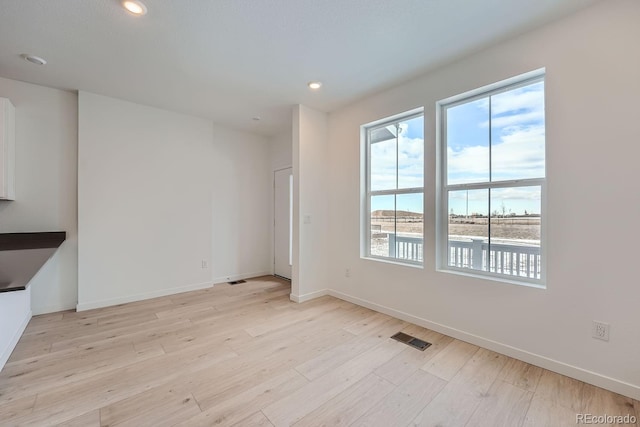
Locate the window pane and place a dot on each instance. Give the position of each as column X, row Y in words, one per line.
column 518, row 133
column 395, row 166
column 468, row 142
column 409, row 227
column 382, row 153
column 492, row 145
column 468, row 234
column 411, row 153
column 383, row 217
column 515, row 231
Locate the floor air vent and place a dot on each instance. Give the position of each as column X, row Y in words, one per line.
column 412, row 341
column 235, row 282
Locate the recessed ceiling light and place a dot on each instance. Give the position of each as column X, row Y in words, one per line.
column 134, row 6
column 256, row 118
column 314, row 85
column 34, row 59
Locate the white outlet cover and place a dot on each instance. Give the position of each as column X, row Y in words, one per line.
column 600, row 330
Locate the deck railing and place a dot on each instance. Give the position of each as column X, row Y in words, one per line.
column 503, row 258
column 407, row 248
column 477, row 254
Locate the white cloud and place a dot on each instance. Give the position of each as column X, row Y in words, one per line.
column 519, row 155
column 518, row 151
column 515, row 107
column 472, row 163
column 516, row 193
column 516, row 100
column 516, row 119
column 410, row 163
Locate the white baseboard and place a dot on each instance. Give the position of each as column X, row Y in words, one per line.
column 14, row 341
column 53, row 309
column 612, row 384
column 309, row 296
column 139, row 297
column 243, row 276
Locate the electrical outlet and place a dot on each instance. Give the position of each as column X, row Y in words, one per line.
column 347, row 272
column 600, row 330
column 205, row 264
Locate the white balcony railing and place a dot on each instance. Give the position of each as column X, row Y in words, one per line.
column 404, row 247
column 503, row 258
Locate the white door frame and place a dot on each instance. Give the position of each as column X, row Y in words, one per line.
column 290, row 221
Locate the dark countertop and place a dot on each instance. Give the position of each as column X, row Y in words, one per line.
column 23, row 254
column 37, row 240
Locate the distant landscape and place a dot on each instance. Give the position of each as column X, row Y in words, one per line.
column 510, row 227
column 408, row 222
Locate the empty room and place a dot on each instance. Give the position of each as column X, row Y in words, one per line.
column 319, row 213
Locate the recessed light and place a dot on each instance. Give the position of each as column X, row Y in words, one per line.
column 34, row 59
column 314, row 85
column 134, row 6
column 256, row 118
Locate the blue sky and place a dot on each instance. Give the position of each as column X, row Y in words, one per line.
column 410, row 167
column 509, row 125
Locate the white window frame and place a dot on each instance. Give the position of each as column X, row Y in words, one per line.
column 368, row 194
column 443, row 189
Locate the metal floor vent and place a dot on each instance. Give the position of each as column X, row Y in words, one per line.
column 235, row 282
column 412, row 341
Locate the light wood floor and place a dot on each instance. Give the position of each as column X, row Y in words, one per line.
column 245, row 355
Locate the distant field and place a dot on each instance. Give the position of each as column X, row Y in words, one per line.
column 516, row 220
column 520, row 228
column 502, row 231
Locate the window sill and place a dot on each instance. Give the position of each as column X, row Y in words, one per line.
column 494, row 278
column 418, row 265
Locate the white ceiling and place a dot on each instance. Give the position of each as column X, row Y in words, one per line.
column 231, row 60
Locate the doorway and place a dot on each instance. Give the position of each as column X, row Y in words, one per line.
column 282, row 222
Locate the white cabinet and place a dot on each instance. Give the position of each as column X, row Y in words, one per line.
column 7, row 149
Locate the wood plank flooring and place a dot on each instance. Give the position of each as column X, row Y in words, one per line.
column 244, row 355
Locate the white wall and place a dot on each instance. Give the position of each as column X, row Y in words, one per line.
column 144, row 201
column 280, row 150
column 46, row 185
column 309, row 203
column 242, row 189
column 592, row 92
column 160, row 192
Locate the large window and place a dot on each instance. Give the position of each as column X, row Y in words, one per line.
column 493, row 181
column 394, row 215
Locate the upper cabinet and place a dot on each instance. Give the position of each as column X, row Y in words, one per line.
column 7, row 149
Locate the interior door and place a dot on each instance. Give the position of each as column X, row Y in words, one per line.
column 282, row 225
